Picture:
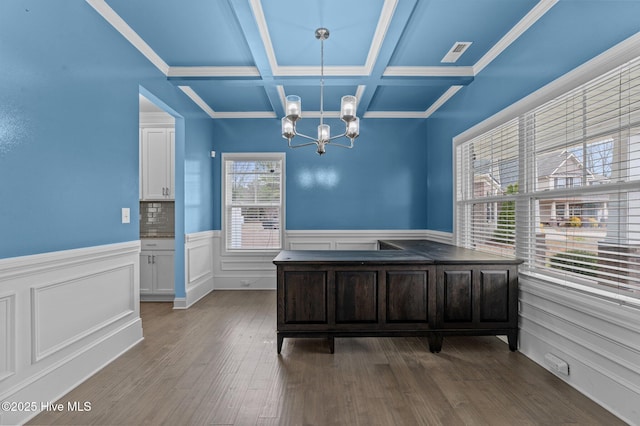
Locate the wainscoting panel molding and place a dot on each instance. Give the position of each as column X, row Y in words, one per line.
column 599, row 339
column 257, row 272
column 198, row 262
column 7, row 335
column 356, row 240
column 68, row 314
column 67, row 311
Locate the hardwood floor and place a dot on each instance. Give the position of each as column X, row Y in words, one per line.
column 216, row 363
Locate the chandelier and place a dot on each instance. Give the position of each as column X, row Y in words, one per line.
column 348, row 107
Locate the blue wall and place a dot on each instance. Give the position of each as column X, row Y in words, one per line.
column 379, row 184
column 69, row 131
column 198, row 176
column 572, row 29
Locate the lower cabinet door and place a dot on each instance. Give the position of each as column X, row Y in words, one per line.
column 304, row 297
column 146, row 273
column 163, row 262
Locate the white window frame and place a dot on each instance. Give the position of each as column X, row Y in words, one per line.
column 526, row 208
column 252, row 156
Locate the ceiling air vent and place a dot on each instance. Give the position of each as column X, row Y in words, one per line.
column 454, row 53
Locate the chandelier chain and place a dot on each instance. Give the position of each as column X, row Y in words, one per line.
column 321, row 79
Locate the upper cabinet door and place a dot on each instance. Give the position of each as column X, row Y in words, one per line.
column 157, row 166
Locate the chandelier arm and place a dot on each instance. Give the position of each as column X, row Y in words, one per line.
column 337, row 136
column 302, row 135
column 301, row 144
column 341, row 145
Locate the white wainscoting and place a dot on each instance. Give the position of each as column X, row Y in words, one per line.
column 257, row 272
column 356, row 240
column 198, row 262
column 7, row 334
column 598, row 338
column 63, row 316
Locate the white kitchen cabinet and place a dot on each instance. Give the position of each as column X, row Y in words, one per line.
column 157, row 270
column 157, row 165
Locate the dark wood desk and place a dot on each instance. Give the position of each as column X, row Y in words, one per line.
column 407, row 288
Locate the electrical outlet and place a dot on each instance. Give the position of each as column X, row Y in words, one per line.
column 556, row 364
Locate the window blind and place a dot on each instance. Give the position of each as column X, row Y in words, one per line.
column 487, row 182
column 576, row 161
column 253, row 202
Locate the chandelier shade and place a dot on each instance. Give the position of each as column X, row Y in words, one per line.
column 348, row 111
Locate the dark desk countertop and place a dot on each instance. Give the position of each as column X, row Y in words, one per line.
column 350, row 256
column 423, row 252
column 448, row 253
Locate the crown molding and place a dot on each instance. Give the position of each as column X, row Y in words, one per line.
column 127, row 32
column 198, row 100
column 442, row 99
column 394, row 114
column 523, row 25
column 246, row 114
column 416, row 114
column 386, row 15
column 294, row 71
column 213, row 72
column 453, row 71
column 263, row 29
column 218, row 115
column 615, row 56
column 388, row 9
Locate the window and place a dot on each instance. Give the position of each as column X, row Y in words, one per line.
column 253, row 201
column 566, row 176
column 487, row 179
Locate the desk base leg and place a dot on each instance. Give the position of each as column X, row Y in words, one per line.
column 331, row 344
column 435, row 342
column 512, row 337
column 280, row 339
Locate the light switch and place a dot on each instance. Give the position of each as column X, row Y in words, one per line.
column 126, row 215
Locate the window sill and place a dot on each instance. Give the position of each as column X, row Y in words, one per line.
column 600, row 293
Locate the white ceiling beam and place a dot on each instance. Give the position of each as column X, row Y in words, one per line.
column 198, row 101
column 213, row 72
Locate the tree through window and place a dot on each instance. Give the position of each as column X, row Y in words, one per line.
column 253, row 201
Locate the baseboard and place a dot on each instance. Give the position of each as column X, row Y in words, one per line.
column 156, row 298
column 194, row 294
column 266, row 281
column 60, row 379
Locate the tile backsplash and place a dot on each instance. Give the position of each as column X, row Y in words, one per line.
column 157, row 219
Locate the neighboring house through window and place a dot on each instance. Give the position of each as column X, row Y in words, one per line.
column 567, row 176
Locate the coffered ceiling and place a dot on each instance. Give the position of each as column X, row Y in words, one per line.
column 240, row 58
